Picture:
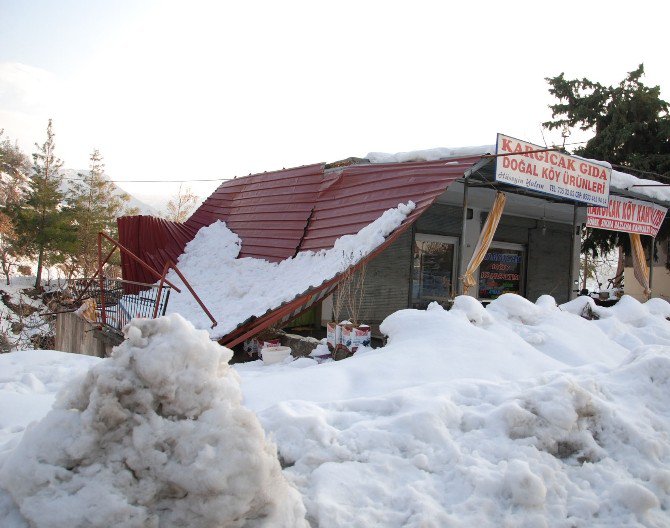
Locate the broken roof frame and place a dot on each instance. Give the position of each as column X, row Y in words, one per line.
column 134, row 285
column 327, row 201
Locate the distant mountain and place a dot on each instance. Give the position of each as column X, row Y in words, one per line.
column 143, row 207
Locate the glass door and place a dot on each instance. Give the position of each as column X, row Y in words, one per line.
column 502, row 271
column 433, row 269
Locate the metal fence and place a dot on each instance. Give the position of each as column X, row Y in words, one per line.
column 115, row 309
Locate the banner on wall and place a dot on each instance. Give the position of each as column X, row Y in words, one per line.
column 627, row 215
column 547, row 171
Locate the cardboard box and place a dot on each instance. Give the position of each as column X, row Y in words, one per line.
column 347, row 336
column 361, row 337
column 331, row 335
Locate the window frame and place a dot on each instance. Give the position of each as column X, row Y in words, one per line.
column 444, row 239
column 522, row 272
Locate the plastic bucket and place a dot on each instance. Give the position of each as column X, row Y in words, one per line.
column 275, row 354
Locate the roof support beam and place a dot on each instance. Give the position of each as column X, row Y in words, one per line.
column 573, row 236
column 461, row 245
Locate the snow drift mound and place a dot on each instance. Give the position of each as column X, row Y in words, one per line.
column 154, row 436
column 577, row 448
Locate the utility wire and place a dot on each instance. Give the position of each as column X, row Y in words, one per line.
column 149, row 181
column 577, row 142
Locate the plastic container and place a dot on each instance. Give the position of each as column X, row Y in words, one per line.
column 275, row 354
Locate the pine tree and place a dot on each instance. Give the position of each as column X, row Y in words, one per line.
column 631, row 127
column 630, row 121
column 8, row 247
column 41, row 225
column 94, row 203
column 14, row 167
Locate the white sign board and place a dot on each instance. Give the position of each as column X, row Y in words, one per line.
column 534, row 167
column 627, row 215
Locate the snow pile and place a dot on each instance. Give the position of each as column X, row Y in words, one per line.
column 433, row 154
column 29, row 380
column 236, row 289
column 155, row 435
column 519, row 414
column 576, row 448
column 511, row 339
column 628, row 323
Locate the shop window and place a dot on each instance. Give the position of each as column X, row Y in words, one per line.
column 433, row 269
column 502, row 271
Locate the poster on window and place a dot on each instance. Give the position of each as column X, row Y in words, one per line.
column 500, row 272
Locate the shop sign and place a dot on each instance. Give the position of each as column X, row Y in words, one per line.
column 627, row 215
column 547, row 171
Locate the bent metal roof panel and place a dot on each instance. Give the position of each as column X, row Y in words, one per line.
column 277, row 214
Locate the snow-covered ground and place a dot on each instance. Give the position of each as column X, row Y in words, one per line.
column 520, row 414
column 20, row 323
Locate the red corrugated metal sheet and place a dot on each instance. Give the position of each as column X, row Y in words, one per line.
column 154, row 240
column 350, row 199
column 355, row 196
column 268, row 211
column 279, row 213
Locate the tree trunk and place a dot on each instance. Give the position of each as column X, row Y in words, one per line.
column 38, row 278
column 586, row 271
column 6, row 267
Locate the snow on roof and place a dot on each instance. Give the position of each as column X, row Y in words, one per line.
column 236, row 289
column 433, row 154
column 620, row 181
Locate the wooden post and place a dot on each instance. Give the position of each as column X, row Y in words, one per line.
column 461, row 245
column 651, row 265
column 101, row 278
column 572, row 250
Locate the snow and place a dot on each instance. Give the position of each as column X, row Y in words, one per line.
column 623, row 181
column 236, row 289
column 626, row 182
column 620, row 181
column 155, row 435
column 32, row 324
column 430, row 154
column 518, row 414
column 29, row 380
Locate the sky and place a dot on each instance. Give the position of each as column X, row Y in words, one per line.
column 207, row 90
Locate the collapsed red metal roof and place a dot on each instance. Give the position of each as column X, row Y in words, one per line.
column 268, row 211
column 277, row 214
column 154, row 240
